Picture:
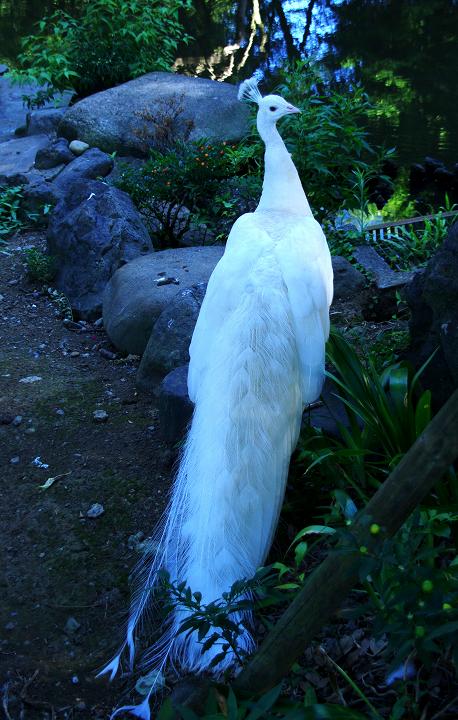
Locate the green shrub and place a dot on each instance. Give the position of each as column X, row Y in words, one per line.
column 40, row 267
column 10, row 204
column 329, row 138
column 189, row 184
column 111, row 42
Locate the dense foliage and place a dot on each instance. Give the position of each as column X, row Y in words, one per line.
column 193, row 186
column 329, row 139
column 408, row 593
column 112, row 41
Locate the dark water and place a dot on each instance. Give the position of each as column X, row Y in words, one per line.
column 404, row 52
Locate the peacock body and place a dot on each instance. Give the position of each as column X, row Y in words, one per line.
column 256, row 359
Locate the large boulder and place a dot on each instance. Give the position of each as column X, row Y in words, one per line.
column 56, row 153
column 92, row 232
column 175, row 407
column 17, row 158
column 168, row 345
column 433, row 300
column 139, row 292
column 348, row 281
column 71, row 180
column 44, row 121
column 133, row 116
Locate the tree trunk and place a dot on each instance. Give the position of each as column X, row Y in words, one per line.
column 426, row 461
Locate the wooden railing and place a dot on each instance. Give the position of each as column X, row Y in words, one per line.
column 377, row 232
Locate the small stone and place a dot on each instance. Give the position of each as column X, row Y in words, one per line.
column 167, row 281
column 107, row 354
column 30, row 379
column 71, row 325
column 17, row 420
column 136, row 542
column 98, row 323
column 10, row 626
column 72, row 626
column 95, row 510
column 80, row 706
column 75, row 680
column 74, row 354
column 100, row 416
column 15, row 460
column 30, row 431
column 78, row 147
column 2, row 297
column 59, row 411
column 12, row 282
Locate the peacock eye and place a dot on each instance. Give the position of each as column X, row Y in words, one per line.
column 273, row 108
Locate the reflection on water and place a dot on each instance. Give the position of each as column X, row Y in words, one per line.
column 405, row 53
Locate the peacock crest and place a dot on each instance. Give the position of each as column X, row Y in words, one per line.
column 249, row 90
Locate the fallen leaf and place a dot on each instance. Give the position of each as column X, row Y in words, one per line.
column 50, row 481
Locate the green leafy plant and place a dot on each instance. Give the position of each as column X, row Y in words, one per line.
column 40, row 266
column 412, row 586
column 329, row 138
column 386, row 412
column 219, row 624
column 269, row 706
column 110, row 42
column 185, row 186
column 413, row 245
column 10, row 203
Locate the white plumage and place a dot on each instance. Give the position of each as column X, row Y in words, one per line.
column 257, row 358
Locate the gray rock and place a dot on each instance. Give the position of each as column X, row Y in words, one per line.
column 100, row 416
column 72, row 626
column 168, row 345
column 12, row 108
column 381, row 303
column 114, row 119
column 92, row 232
column 44, row 121
column 348, row 281
column 70, row 184
column 78, row 147
column 56, row 153
column 133, row 300
column 89, row 166
column 95, row 511
column 385, row 278
column 17, row 158
column 433, row 300
column 175, row 407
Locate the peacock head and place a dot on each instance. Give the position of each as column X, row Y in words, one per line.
column 271, row 107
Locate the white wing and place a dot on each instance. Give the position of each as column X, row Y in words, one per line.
column 228, row 281
column 305, row 262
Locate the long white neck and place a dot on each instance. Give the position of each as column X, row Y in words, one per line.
column 282, row 189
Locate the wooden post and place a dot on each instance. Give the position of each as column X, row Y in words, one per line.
column 426, row 461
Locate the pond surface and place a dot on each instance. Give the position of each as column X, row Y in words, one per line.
column 405, row 52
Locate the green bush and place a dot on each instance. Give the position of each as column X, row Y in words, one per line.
column 40, row 267
column 111, row 42
column 329, row 138
column 189, row 184
column 10, row 204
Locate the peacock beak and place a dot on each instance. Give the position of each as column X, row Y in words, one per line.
column 292, row 109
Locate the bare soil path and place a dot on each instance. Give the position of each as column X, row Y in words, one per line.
column 64, row 574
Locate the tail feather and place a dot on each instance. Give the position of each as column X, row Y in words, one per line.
column 229, row 487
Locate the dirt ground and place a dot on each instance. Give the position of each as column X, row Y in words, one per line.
column 64, row 578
